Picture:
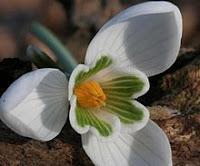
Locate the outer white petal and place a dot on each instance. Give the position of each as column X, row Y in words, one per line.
column 147, row 147
column 36, row 104
column 145, row 36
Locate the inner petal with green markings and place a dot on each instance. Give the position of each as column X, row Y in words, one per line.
column 103, row 95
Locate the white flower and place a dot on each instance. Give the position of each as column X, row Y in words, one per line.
column 141, row 41
column 102, row 99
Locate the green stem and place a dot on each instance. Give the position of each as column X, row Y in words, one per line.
column 64, row 56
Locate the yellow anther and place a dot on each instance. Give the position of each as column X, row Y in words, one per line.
column 90, row 94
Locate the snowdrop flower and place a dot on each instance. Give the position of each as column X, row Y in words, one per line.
column 141, row 41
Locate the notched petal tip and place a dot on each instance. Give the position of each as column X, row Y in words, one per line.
column 112, row 120
column 36, row 105
column 103, row 125
column 139, row 124
column 145, row 80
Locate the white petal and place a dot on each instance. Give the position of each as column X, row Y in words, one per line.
column 114, row 72
column 130, row 128
column 79, row 68
column 145, row 36
column 72, row 117
column 36, row 104
column 147, row 147
column 110, row 119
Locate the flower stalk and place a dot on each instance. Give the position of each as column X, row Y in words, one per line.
column 64, row 56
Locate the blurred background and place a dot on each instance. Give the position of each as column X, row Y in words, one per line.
column 75, row 22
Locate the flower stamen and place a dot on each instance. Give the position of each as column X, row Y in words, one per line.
column 90, row 94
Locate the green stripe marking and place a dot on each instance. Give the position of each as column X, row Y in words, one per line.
column 119, row 92
column 124, row 109
column 124, row 85
column 86, row 117
column 101, row 64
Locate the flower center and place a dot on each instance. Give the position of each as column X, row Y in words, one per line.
column 90, row 94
